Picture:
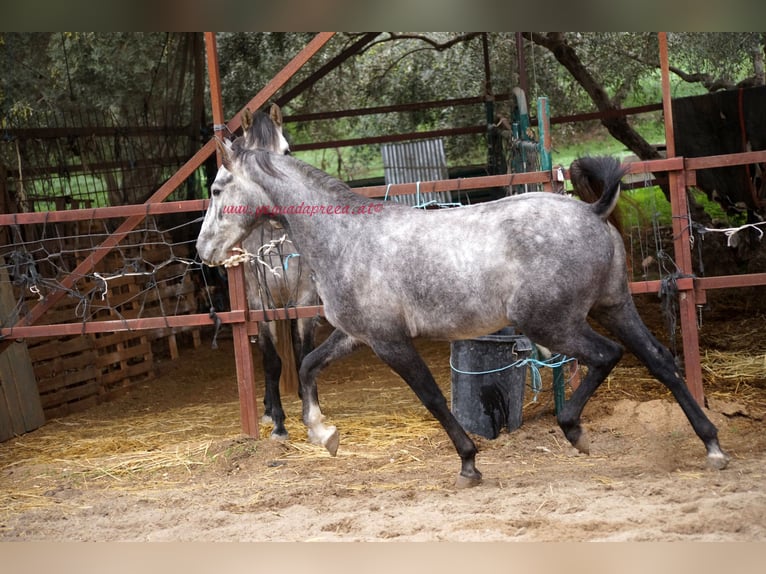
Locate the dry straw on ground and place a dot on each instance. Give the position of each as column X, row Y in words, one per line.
column 122, row 443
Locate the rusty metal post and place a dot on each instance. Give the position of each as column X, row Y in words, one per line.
column 243, row 355
column 237, row 291
column 681, row 240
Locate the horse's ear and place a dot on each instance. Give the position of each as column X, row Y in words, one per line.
column 225, row 152
column 276, row 114
column 247, row 119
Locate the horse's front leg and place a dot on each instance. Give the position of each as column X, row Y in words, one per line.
column 408, row 364
column 337, row 345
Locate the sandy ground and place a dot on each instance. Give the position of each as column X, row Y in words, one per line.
column 167, row 462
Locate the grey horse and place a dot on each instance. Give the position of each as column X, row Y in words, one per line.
column 387, row 274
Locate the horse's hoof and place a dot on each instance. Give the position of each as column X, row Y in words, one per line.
column 266, row 420
column 582, row 443
column 327, row 437
column 468, row 481
column 718, row 461
column 331, row 442
column 280, row 436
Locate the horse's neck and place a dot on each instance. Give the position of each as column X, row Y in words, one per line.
column 317, row 235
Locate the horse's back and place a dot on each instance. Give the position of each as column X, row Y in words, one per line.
column 458, row 273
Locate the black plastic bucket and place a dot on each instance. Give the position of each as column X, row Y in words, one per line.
column 487, row 386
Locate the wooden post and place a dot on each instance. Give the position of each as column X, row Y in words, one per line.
column 681, row 236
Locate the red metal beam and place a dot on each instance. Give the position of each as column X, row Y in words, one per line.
column 729, row 281
column 250, row 319
column 474, row 100
column 282, row 77
column 67, row 329
column 327, row 68
column 114, row 211
column 316, row 116
column 390, row 138
column 243, row 356
column 53, row 133
column 456, row 184
column 730, row 160
column 637, row 287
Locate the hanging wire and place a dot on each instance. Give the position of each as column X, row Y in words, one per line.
column 66, row 66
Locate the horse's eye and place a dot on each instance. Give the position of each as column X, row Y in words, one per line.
column 215, row 191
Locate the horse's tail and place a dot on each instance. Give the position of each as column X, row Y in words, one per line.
column 597, row 180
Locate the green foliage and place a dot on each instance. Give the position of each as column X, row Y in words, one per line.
column 68, row 189
column 108, row 71
column 118, row 71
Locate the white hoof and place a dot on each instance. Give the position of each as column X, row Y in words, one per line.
column 332, row 442
column 327, row 437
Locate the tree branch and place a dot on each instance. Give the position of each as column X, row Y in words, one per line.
column 618, row 126
column 710, row 84
column 438, row 46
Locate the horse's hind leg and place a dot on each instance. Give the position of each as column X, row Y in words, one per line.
column 404, row 359
column 272, row 368
column 599, row 355
column 337, row 345
column 627, row 325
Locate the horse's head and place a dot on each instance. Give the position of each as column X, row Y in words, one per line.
column 236, row 202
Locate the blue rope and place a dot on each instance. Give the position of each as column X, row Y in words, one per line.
column 287, row 259
column 534, row 365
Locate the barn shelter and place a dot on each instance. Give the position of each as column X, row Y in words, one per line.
column 129, row 351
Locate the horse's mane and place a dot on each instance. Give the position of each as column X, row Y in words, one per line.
column 323, row 180
column 262, row 158
column 268, row 161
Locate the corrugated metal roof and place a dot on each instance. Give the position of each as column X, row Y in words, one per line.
column 410, row 162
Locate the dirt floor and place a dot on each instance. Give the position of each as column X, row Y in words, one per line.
column 166, row 461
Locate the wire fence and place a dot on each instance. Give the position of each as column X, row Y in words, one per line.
column 151, row 273
column 86, row 159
